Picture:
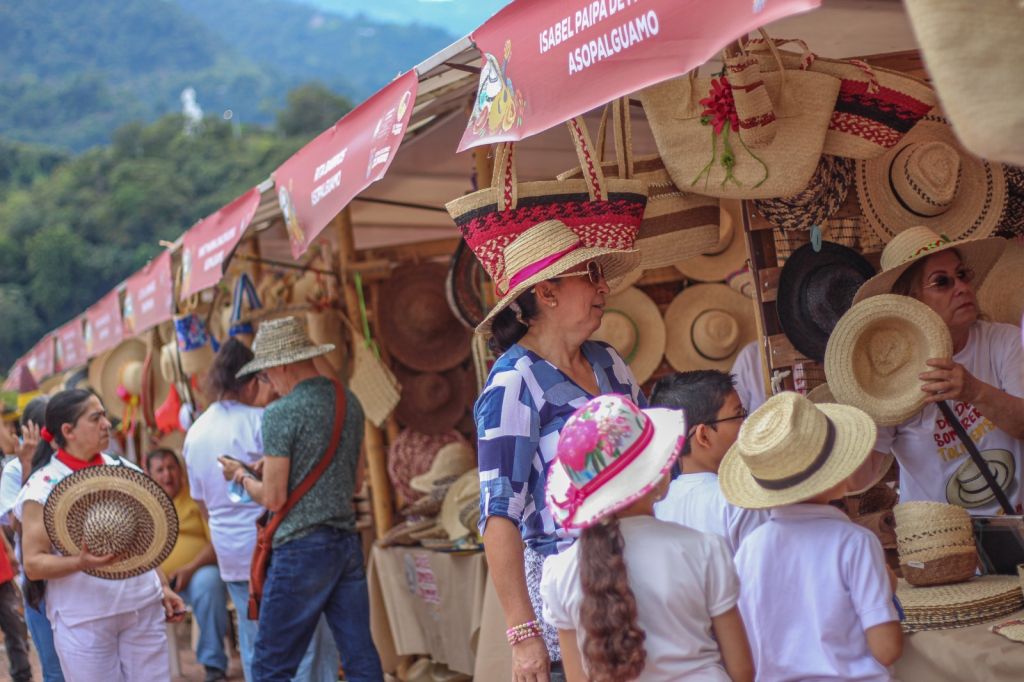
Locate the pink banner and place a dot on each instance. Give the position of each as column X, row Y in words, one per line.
column 148, row 298
column 40, row 359
column 206, row 246
column 71, row 345
column 322, row 177
column 11, row 382
column 546, row 62
column 103, row 326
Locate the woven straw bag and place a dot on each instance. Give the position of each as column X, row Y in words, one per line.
column 676, row 225
column 935, row 542
column 603, row 212
column 372, row 382
column 973, row 51
column 697, row 127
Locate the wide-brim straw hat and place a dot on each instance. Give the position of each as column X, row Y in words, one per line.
column 466, row 287
column 980, row 599
column 125, row 358
column 707, row 325
column 821, row 394
column 281, row 342
column 416, row 323
column 822, row 197
column 1001, row 294
column 431, row 402
column 877, row 352
column 411, row 454
column 815, row 288
column 633, row 326
column 930, row 179
column 464, row 491
column 728, row 255
column 629, row 483
column 112, row 510
column 547, row 250
column 790, row 450
column 453, row 459
column 919, row 242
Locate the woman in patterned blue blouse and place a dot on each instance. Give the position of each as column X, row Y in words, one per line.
column 552, row 296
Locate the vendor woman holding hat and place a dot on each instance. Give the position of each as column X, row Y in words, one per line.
column 108, row 612
column 982, row 382
column 551, row 298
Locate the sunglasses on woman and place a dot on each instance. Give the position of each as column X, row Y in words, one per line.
column 943, row 282
column 593, row 271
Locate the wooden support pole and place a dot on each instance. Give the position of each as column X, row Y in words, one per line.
column 373, row 438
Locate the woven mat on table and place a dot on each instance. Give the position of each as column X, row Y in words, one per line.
column 953, row 606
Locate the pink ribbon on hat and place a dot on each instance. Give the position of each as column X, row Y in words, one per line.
column 574, row 497
column 535, row 267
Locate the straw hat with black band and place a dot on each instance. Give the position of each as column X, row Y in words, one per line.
column 545, row 251
column 115, row 510
column 790, row 450
column 633, row 326
column 918, row 242
column 728, row 256
column 706, row 326
column 929, row 179
column 815, row 288
column 281, row 342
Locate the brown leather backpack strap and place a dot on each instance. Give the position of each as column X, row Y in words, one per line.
column 340, row 407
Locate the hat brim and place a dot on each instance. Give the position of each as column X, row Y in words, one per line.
column 642, row 313
column 634, row 481
column 680, row 350
column 981, row 255
column 288, row 358
column 855, row 435
column 615, row 264
column 68, row 499
column 129, row 350
column 1000, row 302
column 894, row 396
column 974, row 212
column 714, row 266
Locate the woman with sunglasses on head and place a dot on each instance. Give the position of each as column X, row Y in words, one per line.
column 982, row 381
column 551, row 299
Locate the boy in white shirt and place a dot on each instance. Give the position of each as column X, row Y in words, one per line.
column 714, row 413
column 815, row 592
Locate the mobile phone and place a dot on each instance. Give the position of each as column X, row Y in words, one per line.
column 244, row 466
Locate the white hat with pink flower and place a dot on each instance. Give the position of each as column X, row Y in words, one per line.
column 610, row 454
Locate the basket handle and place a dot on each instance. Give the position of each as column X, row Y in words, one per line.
column 597, row 187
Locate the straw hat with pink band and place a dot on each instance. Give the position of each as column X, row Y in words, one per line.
column 610, row 454
column 544, row 251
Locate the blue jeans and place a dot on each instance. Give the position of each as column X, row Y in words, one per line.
column 321, row 573
column 319, row 663
column 42, row 636
column 205, row 594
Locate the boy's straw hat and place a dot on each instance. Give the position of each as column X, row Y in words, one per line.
column 790, row 450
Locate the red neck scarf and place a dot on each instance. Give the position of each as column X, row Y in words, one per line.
column 75, row 464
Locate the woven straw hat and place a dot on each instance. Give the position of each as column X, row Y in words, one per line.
column 997, row 297
column 726, row 257
column 416, row 323
column 411, row 454
column 918, row 242
column 465, row 490
column 790, row 450
column 610, row 453
column 980, row 599
column 465, row 287
column 431, row 402
column 815, row 288
column 545, row 250
column 877, row 351
column 707, row 325
column 453, row 459
column 120, row 366
column 633, row 326
column 1012, row 221
column 282, row 342
column 935, row 543
column 821, row 394
column 822, row 197
column 929, row 179
column 112, row 510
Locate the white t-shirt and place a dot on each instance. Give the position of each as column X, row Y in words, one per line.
column 934, row 465
column 813, row 582
column 10, row 486
column 225, row 428
column 696, row 500
column 78, row 597
column 681, row 578
column 746, row 370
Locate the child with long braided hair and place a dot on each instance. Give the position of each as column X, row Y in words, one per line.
column 636, row 598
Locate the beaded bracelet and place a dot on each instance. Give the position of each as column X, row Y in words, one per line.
column 522, row 632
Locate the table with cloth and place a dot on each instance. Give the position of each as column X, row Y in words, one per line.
column 971, row 654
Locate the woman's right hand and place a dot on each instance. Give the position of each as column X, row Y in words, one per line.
column 88, row 561
column 29, row 440
column 530, row 661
